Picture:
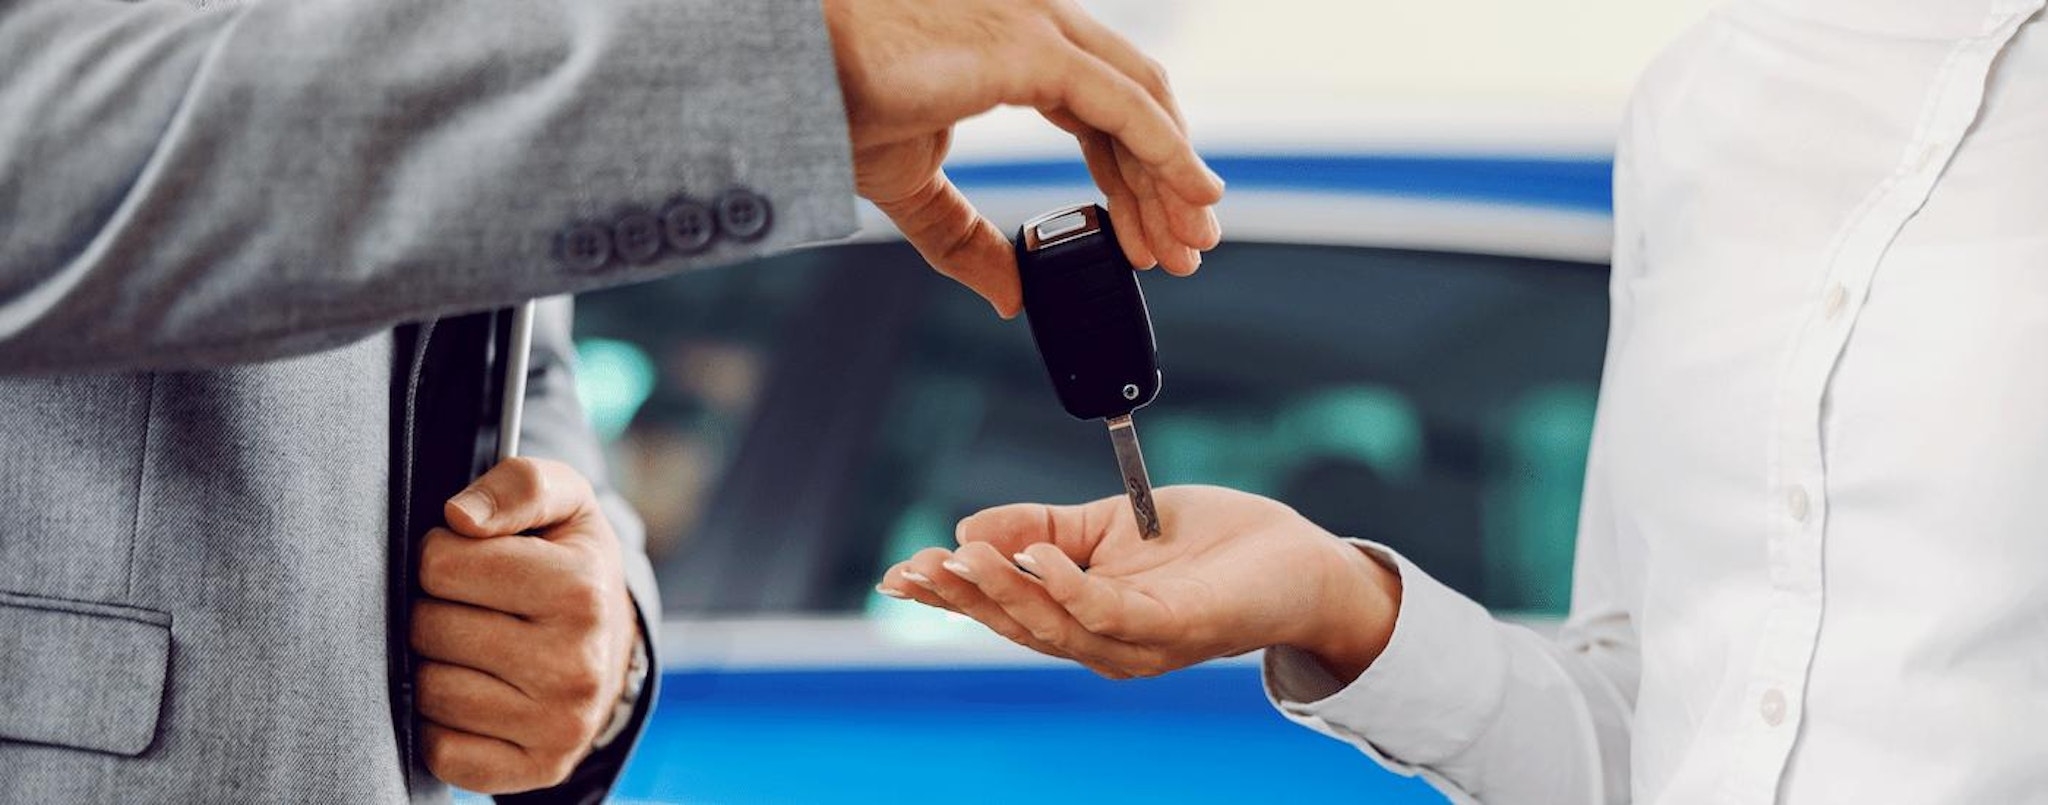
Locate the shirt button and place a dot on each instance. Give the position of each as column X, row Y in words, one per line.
column 1797, row 504
column 1838, row 298
column 1772, row 708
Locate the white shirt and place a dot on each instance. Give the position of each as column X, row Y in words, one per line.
column 1813, row 554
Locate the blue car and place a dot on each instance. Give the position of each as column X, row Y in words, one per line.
column 1402, row 343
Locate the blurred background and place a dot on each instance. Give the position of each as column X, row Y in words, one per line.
column 1402, row 337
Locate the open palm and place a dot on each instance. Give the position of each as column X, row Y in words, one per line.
column 1233, row 572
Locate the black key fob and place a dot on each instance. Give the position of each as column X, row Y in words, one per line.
column 1087, row 313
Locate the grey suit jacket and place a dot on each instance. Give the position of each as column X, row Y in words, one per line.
column 212, row 215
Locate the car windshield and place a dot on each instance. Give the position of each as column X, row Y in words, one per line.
column 792, row 426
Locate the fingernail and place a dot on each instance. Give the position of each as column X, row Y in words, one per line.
column 472, row 503
column 891, row 593
column 1214, row 176
column 918, row 579
column 958, row 568
column 1026, row 561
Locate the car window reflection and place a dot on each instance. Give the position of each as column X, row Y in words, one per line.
column 791, row 426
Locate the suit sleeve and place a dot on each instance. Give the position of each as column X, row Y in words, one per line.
column 555, row 427
column 1492, row 712
column 192, row 184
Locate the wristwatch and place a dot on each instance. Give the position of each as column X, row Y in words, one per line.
column 622, row 713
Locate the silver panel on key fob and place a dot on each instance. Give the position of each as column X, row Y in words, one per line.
column 1060, row 226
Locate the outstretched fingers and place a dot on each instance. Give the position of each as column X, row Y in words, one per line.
column 1076, row 531
column 1109, row 607
column 1032, row 606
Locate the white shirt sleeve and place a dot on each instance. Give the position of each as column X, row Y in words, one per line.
column 1488, row 711
column 1485, row 711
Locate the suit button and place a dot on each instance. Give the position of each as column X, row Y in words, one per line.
column 584, row 247
column 688, row 226
column 743, row 214
column 636, row 236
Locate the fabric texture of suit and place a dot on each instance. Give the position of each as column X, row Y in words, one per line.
column 213, row 218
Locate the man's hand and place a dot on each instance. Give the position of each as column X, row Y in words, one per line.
column 911, row 69
column 525, row 641
column 1233, row 573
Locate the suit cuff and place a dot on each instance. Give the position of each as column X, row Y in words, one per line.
column 1428, row 696
column 478, row 154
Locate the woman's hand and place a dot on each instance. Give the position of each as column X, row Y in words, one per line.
column 1233, row 572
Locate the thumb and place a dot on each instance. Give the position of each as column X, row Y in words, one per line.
column 519, row 495
column 1075, row 530
column 955, row 239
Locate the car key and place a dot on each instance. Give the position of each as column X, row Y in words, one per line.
column 1088, row 318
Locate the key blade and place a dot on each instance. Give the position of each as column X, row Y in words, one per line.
column 1137, row 484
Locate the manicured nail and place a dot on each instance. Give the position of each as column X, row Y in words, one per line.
column 472, row 503
column 918, row 579
column 1029, row 567
column 958, row 568
column 889, row 592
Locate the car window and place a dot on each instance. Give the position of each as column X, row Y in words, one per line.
column 791, row 426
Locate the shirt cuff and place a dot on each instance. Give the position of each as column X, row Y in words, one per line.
column 1428, row 696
